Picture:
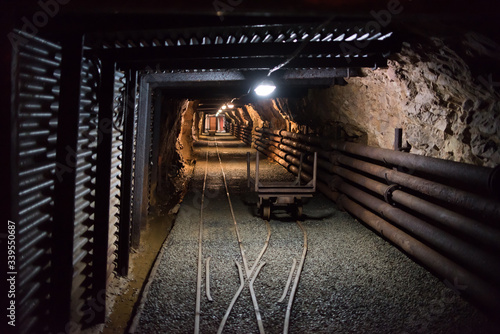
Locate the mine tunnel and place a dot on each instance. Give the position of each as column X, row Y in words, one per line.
column 251, row 166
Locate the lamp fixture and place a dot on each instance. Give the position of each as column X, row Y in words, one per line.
column 224, row 107
column 265, row 88
column 230, row 105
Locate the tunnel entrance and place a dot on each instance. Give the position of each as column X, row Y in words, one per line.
column 127, row 124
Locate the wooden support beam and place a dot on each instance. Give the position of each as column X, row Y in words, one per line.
column 64, row 192
column 126, row 182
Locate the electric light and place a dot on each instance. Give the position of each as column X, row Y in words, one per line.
column 265, row 88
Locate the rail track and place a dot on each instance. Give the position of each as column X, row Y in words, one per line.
column 247, row 274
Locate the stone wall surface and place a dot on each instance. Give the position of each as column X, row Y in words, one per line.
column 176, row 150
column 442, row 93
column 430, row 91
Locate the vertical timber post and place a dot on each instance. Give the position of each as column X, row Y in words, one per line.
column 65, row 185
column 103, row 181
column 128, row 162
column 141, row 162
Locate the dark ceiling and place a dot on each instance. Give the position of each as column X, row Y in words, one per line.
column 219, row 49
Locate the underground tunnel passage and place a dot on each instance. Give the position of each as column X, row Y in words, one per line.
column 236, row 167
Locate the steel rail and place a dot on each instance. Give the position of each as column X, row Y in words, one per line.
column 288, row 281
column 245, row 264
column 263, row 250
column 207, row 283
column 200, row 236
column 250, row 273
column 233, row 301
column 295, row 282
column 254, row 299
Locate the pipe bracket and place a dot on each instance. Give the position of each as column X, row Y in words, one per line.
column 340, row 199
column 334, row 182
column 334, row 158
column 388, row 193
column 494, row 182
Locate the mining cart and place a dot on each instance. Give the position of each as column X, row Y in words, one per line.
column 286, row 195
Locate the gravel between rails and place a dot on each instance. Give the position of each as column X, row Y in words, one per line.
column 353, row 281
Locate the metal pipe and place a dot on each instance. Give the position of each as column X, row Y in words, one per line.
column 484, row 263
column 303, row 138
column 477, row 289
column 288, row 157
column 484, row 207
column 483, row 234
column 274, row 135
column 474, row 178
column 467, row 253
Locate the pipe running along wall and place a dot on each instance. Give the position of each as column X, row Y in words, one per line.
column 451, row 230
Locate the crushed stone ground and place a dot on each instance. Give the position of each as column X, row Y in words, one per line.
column 353, row 281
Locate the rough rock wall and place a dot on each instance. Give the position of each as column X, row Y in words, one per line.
column 257, row 121
column 270, row 114
column 429, row 90
column 175, row 154
column 279, row 113
column 185, row 141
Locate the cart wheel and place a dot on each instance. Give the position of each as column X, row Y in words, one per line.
column 266, row 210
column 298, row 208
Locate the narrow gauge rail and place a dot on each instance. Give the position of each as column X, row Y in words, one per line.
column 250, row 273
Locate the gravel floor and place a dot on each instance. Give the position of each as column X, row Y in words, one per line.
column 352, row 282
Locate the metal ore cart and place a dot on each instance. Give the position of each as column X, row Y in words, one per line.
column 281, row 194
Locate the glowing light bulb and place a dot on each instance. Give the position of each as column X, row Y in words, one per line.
column 265, row 88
